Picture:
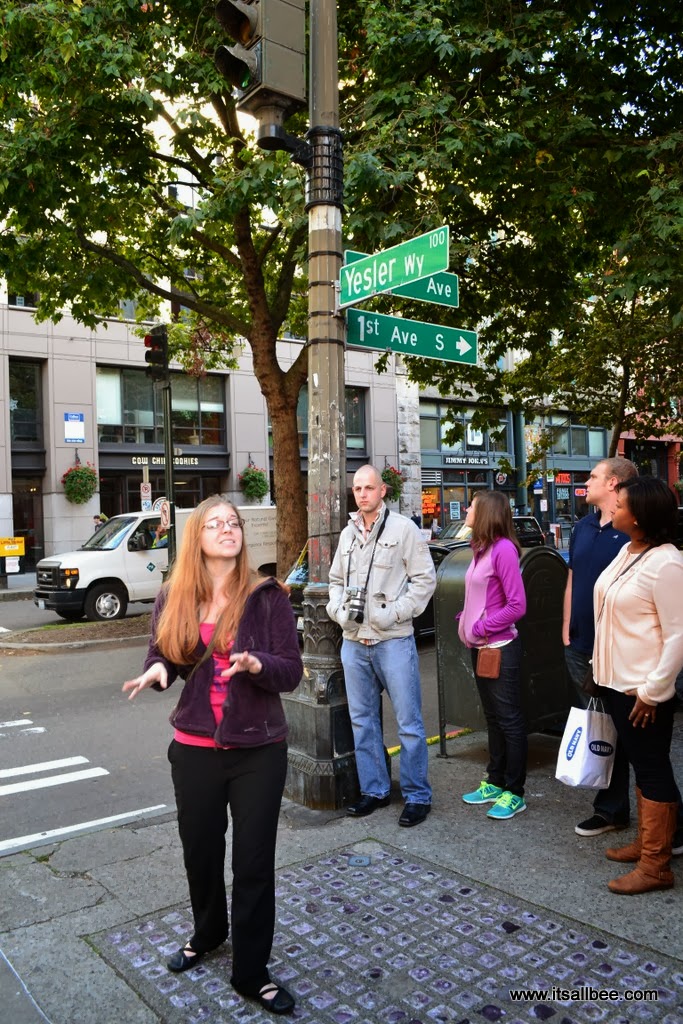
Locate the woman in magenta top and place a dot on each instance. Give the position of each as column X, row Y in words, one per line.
column 494, row 602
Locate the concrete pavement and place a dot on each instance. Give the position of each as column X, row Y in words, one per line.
column 375, row 923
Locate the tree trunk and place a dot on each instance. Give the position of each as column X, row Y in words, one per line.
column 620, row 411
column 281, row 392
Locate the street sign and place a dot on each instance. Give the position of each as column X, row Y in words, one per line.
column 411, row 337
column 442, row 289
column 12, row 546
column 165, row 514
column 402, row 264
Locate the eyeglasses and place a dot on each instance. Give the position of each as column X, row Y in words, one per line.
column 220, row 524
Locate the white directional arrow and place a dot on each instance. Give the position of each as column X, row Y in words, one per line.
column 462, row 345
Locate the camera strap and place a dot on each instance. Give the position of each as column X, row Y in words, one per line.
column 372, row 556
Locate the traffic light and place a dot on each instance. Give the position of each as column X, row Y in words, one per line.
column 266, row 63
column 156, row 356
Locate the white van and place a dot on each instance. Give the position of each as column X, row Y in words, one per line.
column 118, row 564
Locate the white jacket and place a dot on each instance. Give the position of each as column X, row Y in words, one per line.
column 639, row 632
column 402, row 578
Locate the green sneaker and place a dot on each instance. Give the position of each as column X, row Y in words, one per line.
column 486, row 794
column 506, row 806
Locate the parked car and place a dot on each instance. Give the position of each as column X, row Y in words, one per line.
column 527, row 528
column 297, row 579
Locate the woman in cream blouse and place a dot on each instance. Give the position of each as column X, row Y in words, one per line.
column 637, row 655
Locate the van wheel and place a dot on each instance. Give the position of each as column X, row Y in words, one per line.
column 105, row 601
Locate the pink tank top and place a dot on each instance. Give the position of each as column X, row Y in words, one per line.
column 218, row 693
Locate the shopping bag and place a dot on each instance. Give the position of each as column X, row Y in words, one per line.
column 586, row 755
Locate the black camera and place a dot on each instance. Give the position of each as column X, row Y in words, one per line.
column 355, row 600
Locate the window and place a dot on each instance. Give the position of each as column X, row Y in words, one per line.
column 560, row 436
column 499, row 438
column 25, row 416
column 597, row 446
column 579, row 441
column 434, row 427
column 130, row 411
column 355, row 420
column 28, row 300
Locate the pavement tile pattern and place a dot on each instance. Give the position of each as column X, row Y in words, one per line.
column 371, row 935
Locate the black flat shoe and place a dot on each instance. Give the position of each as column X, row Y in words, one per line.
column 180, row 961
column 282, row 1002
column 366, row 805
column 413, row 814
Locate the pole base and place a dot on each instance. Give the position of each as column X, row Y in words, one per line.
column 322, row 765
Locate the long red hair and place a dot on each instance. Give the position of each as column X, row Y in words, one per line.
column 189, row 586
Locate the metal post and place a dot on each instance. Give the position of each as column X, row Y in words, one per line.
column 321, row 760
column 168, row 469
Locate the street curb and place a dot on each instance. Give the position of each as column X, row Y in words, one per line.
column 72, row 644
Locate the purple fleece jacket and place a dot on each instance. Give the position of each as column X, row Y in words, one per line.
column 252, row 714
column 494, row 596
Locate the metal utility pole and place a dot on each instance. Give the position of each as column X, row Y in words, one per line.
column 321, row 761
column 168, row 470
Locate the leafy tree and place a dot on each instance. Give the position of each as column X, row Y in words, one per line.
column 548, row 136
column 111, row 111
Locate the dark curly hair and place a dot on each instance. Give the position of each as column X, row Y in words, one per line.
column 653, row 506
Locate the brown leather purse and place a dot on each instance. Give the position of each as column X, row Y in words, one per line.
column 488, row 662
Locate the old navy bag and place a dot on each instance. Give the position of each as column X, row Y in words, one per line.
column 586, row 755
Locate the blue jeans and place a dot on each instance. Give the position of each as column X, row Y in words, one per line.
column 391, row 665
column 612, row 803
column 501, row 701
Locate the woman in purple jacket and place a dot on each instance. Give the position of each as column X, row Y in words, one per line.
column 231, row 636
column 494, row 602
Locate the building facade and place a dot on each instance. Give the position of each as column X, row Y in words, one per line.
column 69, row 394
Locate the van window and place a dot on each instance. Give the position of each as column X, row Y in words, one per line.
column 109, row 536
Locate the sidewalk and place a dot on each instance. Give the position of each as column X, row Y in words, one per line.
column 19, row 585
column 376, row 924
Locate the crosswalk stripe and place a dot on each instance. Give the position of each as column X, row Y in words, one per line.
column 42, row 766
column 53, row 780
column 25, row 842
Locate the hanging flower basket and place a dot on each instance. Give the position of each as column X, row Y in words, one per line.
column 80, row 483
column 254, row 483
column 394, row 479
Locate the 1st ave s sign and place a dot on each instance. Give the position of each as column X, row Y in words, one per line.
column 402, row 264
column 411, row 337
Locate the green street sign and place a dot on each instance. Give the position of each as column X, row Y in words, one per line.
column 402, row 264
column 441, row 289
column 411, row 337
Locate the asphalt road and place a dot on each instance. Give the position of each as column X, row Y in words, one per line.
column 74, row 750
column 24, row 614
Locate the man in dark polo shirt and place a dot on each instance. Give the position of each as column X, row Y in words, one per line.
column 594, row 543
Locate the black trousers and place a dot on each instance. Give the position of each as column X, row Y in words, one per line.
column 249, row 782
column 648, row 749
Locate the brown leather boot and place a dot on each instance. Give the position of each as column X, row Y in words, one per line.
column 630, row 853
column 657, row 824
